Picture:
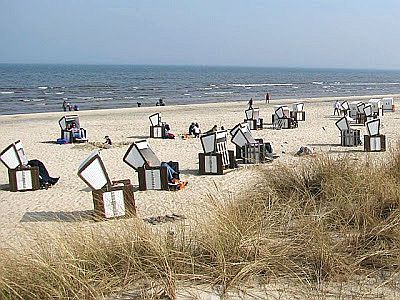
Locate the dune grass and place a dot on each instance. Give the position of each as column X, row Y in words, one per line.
column 330, row 220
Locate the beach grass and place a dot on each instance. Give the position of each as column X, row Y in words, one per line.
column 326, row 221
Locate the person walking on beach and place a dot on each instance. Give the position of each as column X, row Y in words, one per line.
column 65, row 105
column 336, row 108
column 267, row 97
column 250, row 103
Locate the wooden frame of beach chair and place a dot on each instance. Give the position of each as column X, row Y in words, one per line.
column 250, row 150
column 21, row 177
column 377, row 107
column 374, row 141
column 111, row 199
column 253, row 118
column 348, row 137
column 215, row 157
column 151, row 175
column 388, row 104
column 281, row 118
column 298, row 112
column 157, row 128
column 66, row 133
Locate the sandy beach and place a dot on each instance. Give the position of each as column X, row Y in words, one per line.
column 22, row 213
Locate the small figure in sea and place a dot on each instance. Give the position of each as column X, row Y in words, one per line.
column 160, row 102
column 139, row 104
column 336, row 108
column 267, row 98
column 65, row 105
column 250, row 103
column 76, row 107
column 196, row 130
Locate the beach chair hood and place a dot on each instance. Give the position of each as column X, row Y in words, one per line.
column 298, row 107
column 209, row 141
column 155, row 119
column 93, row 172
column 242, row 138
column 373, row 127
column 252, row 114
column 140, row 154
column 345, row 105
column 14, row 156
column 68, row 120
column 342, row 124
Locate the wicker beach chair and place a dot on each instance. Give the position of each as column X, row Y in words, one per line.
column 152, row 173
column 21, row 176
column 111, row 199
column 353, row 109
column 71, row 131
column 250, row 150
column 215, row 157
column 298, row 113
column 157, row 128
column 388, row 104
column 361, row 118
column 344, row 107
column 349, row 137
column 281, row 118
column 253, row 118
column 374, row 141
column 377, row 107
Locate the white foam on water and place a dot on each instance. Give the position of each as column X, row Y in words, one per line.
column 43, row 87
column 259, row 84
column 59, row 93
column 187, row 94
column 129, row 97
column 6, row 93
column 318, row 82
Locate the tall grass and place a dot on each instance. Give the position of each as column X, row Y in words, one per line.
column 325, row 221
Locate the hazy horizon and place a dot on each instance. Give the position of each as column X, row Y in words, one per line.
column 341, row 34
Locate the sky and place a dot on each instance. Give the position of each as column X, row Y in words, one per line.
column 270, row 33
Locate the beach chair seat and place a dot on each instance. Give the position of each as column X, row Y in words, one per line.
column 281, row 119
column 215, row 157
column 348, row 137
column 111, row 199
column 152, row 173
column 250, row 150
column 388, row 104
column 298, row 112
column 71, row 131
column 374, row 141
column 21, row 176
column 253, row 118
column 157, row 128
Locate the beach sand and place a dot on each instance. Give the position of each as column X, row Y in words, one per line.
column 22, row 214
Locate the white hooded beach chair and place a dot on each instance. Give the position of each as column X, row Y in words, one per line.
column 344, row 107
column 388, row 104
column 349, row 137
column 253, row 118
column 215, row 157
column 71, row 131
column 152, row 174
column 376, row 105
column 157, row 128
column 368, row 112
column 360, row 116
column 298, row 113
column 374, row 141
column 281, row 118
column 250, row 150
column 21, row 176
column 353, row 109
column 111, row 199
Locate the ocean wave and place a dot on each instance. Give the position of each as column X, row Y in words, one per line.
column 187, row 94
column 129, row 97
column 85, row 97
column 208, row 88
column 7, row 92
column 103, row 99
column 318, row 82
column 59, row 93
column 43, row 87
column 366, row 83
column 259, row 84
column 218, row 93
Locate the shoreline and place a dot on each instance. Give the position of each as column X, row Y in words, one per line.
column 212, row 104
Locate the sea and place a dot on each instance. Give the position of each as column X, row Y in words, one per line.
column 33, row 88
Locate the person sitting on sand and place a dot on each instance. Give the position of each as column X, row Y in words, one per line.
column 191, row 127
column 196, row 130
column 167, row 133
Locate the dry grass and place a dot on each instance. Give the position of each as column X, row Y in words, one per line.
column 328, row 221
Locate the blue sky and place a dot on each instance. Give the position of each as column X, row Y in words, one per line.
column 283, row 33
